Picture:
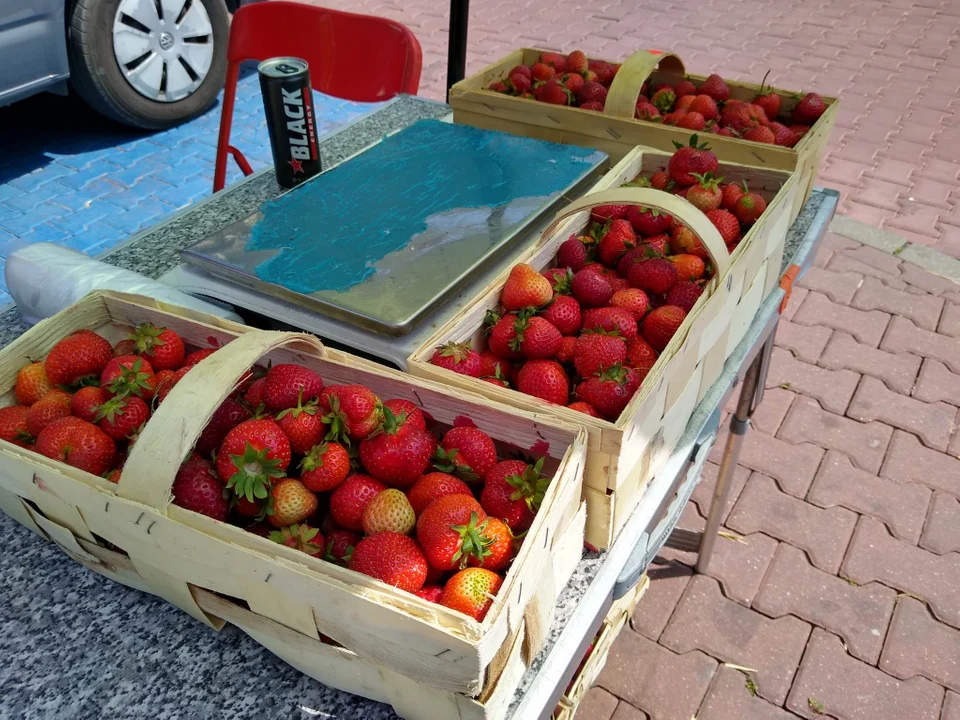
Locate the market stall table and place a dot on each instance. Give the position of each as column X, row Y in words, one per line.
column 83, row 646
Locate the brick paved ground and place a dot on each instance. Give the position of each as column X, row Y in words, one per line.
column 895, row 152
column 842, row 599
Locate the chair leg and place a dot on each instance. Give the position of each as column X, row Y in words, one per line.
column 241, row 160
column 226, row 121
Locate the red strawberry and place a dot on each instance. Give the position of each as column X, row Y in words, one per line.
column 688, row 161
column 565, row 354
column 559, row 279
column 303, row 426
column 414, row 415
column 592, row 92
column 457, row 357
column 390, row 511
column 285, row 383
column 705, row 195
column 13, row 426
column 254, row 394
column 324, row 467
column 226, row 417
column 32, row 384
column 430, row 593
column 468, row 451
column 471, row 592
column 646, row 111
column 290, row 502
column 584, row 407
column 391, row 558
column 84, row 354
column 78, row 443
column 740, row 118
column 715, row 87
column 86, row 402
column 493, row 366
column 513, row 492
column 593, row 105
column 499, row 552
column 689, row 267
column 163, row 382
column 800, row 130
column 684, row 88
column 596, row 351
column 351, row 497
column 554, row 93
column 498, row 86
column 648, row 221
column 125, row 347
column 572, row 253
column 726, row 223
column 299, row 537
column 706, row 106
column 340, row 546
column 544, row 379
column 572, row 82
column 686, row 242
column 502, row 336
column 161, row 346
column 536, row 338
column 660, row 181
column 633, row 300
column 749, row 208
column 684, row 295
column 731, row 193
column 809, row 109
column 563, row 314
column 398, row 453
column 658, row 243
column 519, row 82
column 664, row 99
column 451, row 530
column 251, row 455
column 197, row 356
column 768, row 101
column 52, row 406
column 542, row 72
column 557, row 61
column 591, row 288
column 641, row 356
column 128, row 375
column 661, row 325
column 605, row 71
column 610, row 391
column 691, row 121
column 434, row 486
column 196, row 488
column 656, row 275
column 783, row 136
column 525, row 287
column 618, row 238
column 521, row 70
column 121, row 417
column 351, row 411
column 611, row 320
column 576, row 62
column 760, row 134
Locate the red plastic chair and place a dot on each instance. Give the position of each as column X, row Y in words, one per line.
column 353, row 57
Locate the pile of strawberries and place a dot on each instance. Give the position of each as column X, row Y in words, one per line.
column 576, row 81
column 331, row 470
column 586, row 332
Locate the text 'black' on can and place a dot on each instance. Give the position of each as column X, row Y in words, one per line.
column 285, row 84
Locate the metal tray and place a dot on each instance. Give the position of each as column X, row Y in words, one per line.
column 380, row 240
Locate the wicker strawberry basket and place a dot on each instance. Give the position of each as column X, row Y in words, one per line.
column 617, row 132
column 426, row 660
column 624, row 455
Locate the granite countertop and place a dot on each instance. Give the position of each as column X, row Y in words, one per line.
column 81, row 646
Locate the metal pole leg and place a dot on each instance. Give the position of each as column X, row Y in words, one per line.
column 739, row 424
column 457, row 43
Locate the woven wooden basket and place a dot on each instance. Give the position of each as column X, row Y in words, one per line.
column 287, row 599
column 623, row 456
column 616, row 132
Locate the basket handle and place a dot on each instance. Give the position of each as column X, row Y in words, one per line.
column 648, row 197
column 625, row 89
column 173, row 430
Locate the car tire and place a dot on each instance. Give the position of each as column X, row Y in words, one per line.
column 96, row 75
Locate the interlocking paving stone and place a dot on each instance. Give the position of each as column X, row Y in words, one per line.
column 904, row 336
column 705, row 620
column 933, row 284
column 951, row 707
column 858, row 614
column 875, row 555
column 791, row 465
column 867, row 326
column 866, row 443
column 901, row 506
column 932, row 422
column 843, row 263
column 626, row 711
column 936, row 382
column 804, row 341
column 703, row 494
column 899, row 370
column 924, row 310
column 833, row 388
column 852, row 690
column 768, row 416
column 942, row 532
column 839, row 287
column 740, row 564
column 729, row 698
column 875, row 258
column 919, row 645
column 909, row 461
column 665, row 685
column 822, row 532
column 950, row 320
column 667, row 582
column 598, row 703
column 796, row 299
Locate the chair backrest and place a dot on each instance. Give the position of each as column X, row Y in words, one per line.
column 353, row 57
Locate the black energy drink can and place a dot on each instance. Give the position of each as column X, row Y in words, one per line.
column 285, row 84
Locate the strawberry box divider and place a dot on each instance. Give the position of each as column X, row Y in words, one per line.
column 617, row 132
column 623, row 456
column 178, row 554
